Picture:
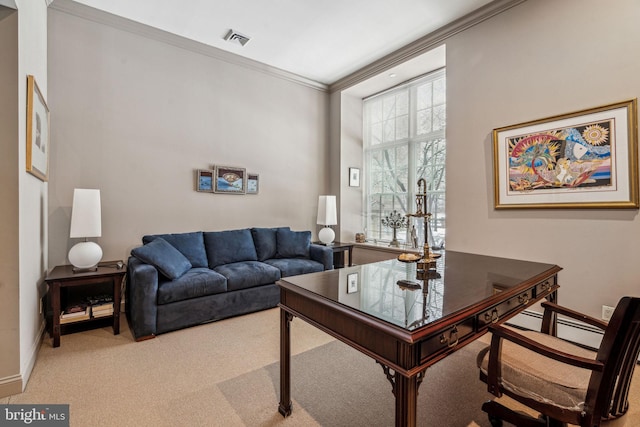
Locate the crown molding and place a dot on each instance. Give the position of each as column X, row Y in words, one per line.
column 424, row 44
column 89, row 13
column 11, row 4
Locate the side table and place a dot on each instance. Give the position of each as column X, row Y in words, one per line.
column 63, row 276
column 339, row 249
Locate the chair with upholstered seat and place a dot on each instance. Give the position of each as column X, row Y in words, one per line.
column 563, row 382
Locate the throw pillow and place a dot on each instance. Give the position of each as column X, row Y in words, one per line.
column 265, row 241
column 226, row 247
column 167, row 259
column 191, row 245
column 293, row 244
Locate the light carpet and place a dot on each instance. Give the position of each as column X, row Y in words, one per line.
column 227, row 374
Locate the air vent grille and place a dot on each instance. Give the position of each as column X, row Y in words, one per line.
column 235, row 37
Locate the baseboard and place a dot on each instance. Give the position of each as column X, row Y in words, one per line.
column 570, row 330
column 15, row 384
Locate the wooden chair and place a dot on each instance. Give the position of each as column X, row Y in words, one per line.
column 565, row 383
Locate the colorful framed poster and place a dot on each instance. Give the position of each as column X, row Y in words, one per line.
column 204, row 180
column 230, row 180
column 584, row 159
column 253, row 183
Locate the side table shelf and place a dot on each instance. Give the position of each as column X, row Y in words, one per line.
column 62, row 276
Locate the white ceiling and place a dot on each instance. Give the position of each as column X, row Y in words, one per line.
column 321, row 40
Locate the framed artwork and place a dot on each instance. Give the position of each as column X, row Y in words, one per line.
column 37, row 131
column 352, row 283
column 253, row 181
column 204, row 180
column 584, row 159
column 354, row 177
column 230, row 180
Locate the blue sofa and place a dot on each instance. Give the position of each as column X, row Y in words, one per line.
column 180, row 280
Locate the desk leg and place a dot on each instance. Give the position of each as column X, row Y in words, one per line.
column 55, row 306
column 406, row 391
column 285, row 406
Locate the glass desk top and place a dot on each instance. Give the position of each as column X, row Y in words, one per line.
column 462, row 280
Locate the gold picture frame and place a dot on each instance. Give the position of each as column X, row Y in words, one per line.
column 583, row 159
column 38, row 140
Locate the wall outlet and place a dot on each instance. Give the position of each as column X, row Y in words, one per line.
column 607, row 312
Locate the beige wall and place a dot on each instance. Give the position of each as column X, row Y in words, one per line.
column 9, row 235
column 536, row 60
column 135, row 117
column 23, row 242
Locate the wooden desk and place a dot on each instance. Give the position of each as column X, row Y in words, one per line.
column 413, row 329
column 63, row 276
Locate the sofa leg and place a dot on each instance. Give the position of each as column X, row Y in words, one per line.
column 146, row 337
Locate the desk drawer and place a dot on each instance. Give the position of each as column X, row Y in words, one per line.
column 447, row 339
column 497, row 312
column 545, row 286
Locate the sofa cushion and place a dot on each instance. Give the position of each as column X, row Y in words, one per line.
column 265, row 241
column 197, row 282
column 226, row 247
column 162, row 255
column 295, row 266
column 191, row 245
column 248, row 274
column 293, row 244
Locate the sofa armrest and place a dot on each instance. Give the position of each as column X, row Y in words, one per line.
column 142, row 294
column 322, row 254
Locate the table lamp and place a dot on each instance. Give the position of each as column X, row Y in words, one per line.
column 86, row 221
column 327, row 216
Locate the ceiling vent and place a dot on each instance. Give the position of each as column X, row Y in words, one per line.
column 236, row 37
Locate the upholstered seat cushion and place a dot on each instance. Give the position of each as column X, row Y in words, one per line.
column 191, row 245
column 195, row 283
column 295, row 266
column 524, row 371
column 248, row 274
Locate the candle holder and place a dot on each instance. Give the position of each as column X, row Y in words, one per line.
column 395, row 221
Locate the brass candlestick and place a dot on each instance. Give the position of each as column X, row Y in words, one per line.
column 395, row 221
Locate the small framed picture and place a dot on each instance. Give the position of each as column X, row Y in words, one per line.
column 230, row 180
column 352, row 283
column 204, row 180
column 253, row 181
column 354, row 177
column 38, row 144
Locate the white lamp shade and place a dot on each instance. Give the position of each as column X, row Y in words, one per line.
column 86, row 215
column 327, row 214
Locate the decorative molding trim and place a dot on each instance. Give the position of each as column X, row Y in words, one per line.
column 10, row 385
column 424, row 44
column 11, row 4
column 124, row 24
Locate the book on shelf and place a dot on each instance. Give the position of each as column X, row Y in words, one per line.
column 74, row 316
column 102, row 306
column 102, row 313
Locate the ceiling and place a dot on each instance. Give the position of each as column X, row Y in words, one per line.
column 323, row 41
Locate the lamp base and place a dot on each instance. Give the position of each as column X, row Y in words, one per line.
column 326, row 235
column 85, row 255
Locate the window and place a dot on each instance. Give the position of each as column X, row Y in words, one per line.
column 404, row 141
